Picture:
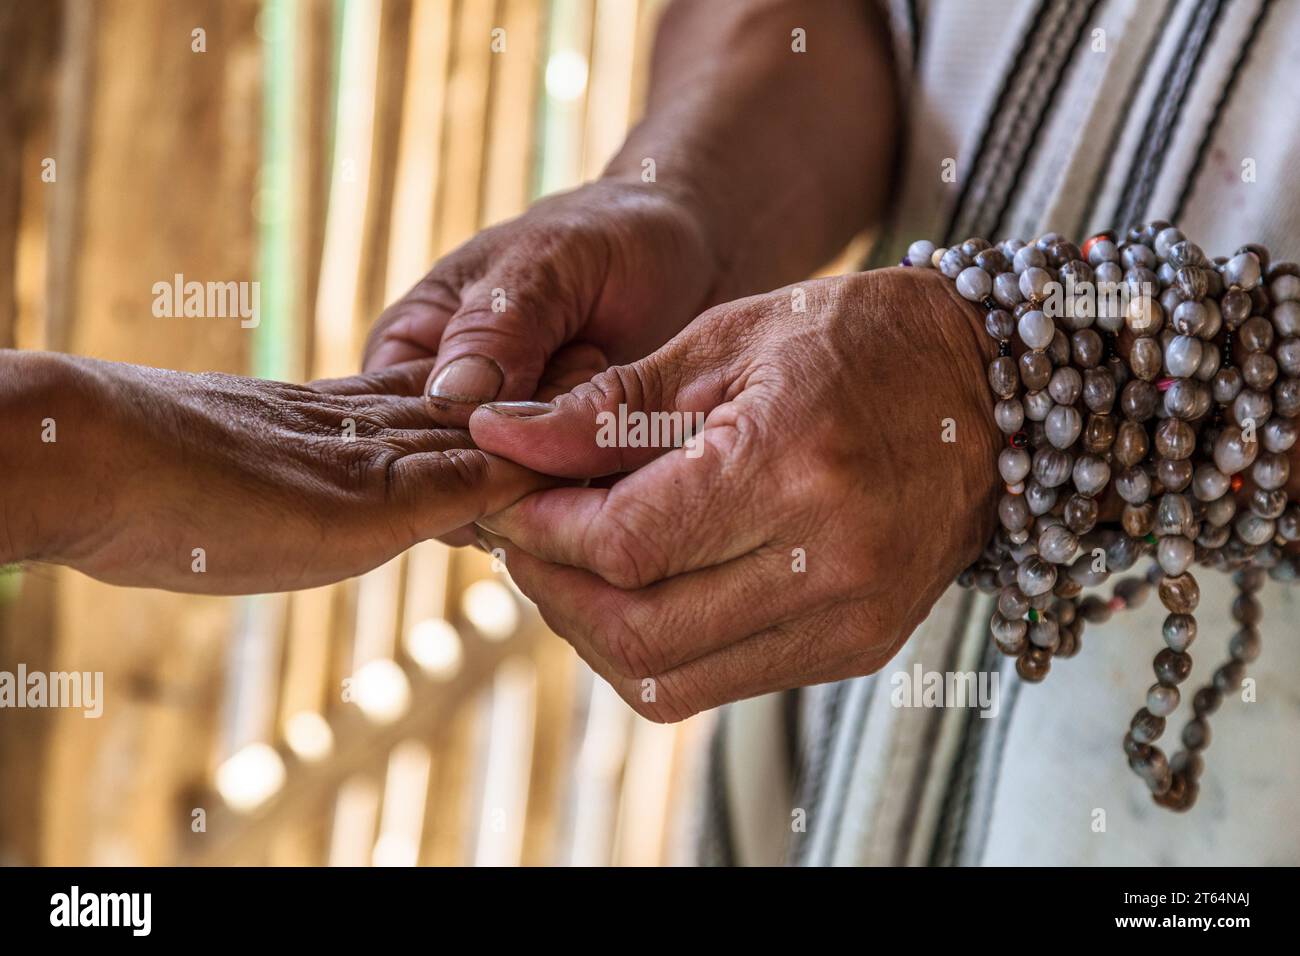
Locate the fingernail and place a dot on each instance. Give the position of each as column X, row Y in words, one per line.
column 468, row 380
column 520, row 409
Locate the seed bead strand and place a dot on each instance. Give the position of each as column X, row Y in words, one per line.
column 1173, row 426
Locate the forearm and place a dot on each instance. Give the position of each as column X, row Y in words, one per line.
column 784, row 155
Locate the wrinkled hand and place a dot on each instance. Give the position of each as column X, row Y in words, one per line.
column 604, row 274
column 803, row 534
column 280, row 486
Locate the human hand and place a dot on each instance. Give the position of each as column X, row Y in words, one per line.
column 612, row 270
column 221, row 484
column 823, row 448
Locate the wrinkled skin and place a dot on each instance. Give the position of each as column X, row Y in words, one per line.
column 612, row 270
column 150, row 464
column 823, row 433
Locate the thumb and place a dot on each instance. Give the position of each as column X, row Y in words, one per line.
column 620, row 420
column 496, row 345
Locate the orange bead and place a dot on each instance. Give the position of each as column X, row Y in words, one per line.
column 1092, row 241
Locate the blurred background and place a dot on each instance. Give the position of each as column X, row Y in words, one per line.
column 330, row 150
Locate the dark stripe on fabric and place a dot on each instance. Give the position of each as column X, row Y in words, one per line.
column 1117, row 131
column 1181, row 52
column 830, row 811
column 790, row 727
column 1166, row 132
column 949, row 814
column 811, row 778
column 1030, row 39
column 1167, row 110
column 717, row 843
column 956, row 798
column 1016, row 113
column 1029, row 106
column 1225, row 95
column 995, row 776
column 925, row 768
column 979, row 744
column 1064, row 65
column 981, row 729
column 914, row 23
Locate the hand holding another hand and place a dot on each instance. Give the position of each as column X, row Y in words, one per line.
column 799, row 538
column 814, row 525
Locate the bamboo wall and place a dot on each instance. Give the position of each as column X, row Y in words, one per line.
column 331, row 150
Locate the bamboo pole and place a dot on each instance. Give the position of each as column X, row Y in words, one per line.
column 516, row 75
column 28, row 62
column 609, row 103
column 465, row 124
column 111, row 240
column 420, row 146
column 362, row 748
column 340, row 275
column 503, row 806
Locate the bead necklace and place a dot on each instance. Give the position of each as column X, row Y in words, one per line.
column 1148, row 370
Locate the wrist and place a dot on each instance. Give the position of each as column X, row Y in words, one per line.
column 47, row 502
column 972, row 350
column 694, row 220
column 955, row 374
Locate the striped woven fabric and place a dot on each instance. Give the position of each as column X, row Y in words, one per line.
column 1071, row 116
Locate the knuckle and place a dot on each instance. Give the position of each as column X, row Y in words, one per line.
column 458, row 473
column 549, row 273
column 354, row 460
column 620, row 551
column 619, row 561
column 718, row 315
column 872, row 633
column 365, row 424
column 381, row 463
column 614, row 386
column 433, row 296
column 737, row 439
column 642, row 381
column 673, row 699
column 525, row 341
column 625, row 645
column 438, row 290
column 464, row 469
column 734, row 328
